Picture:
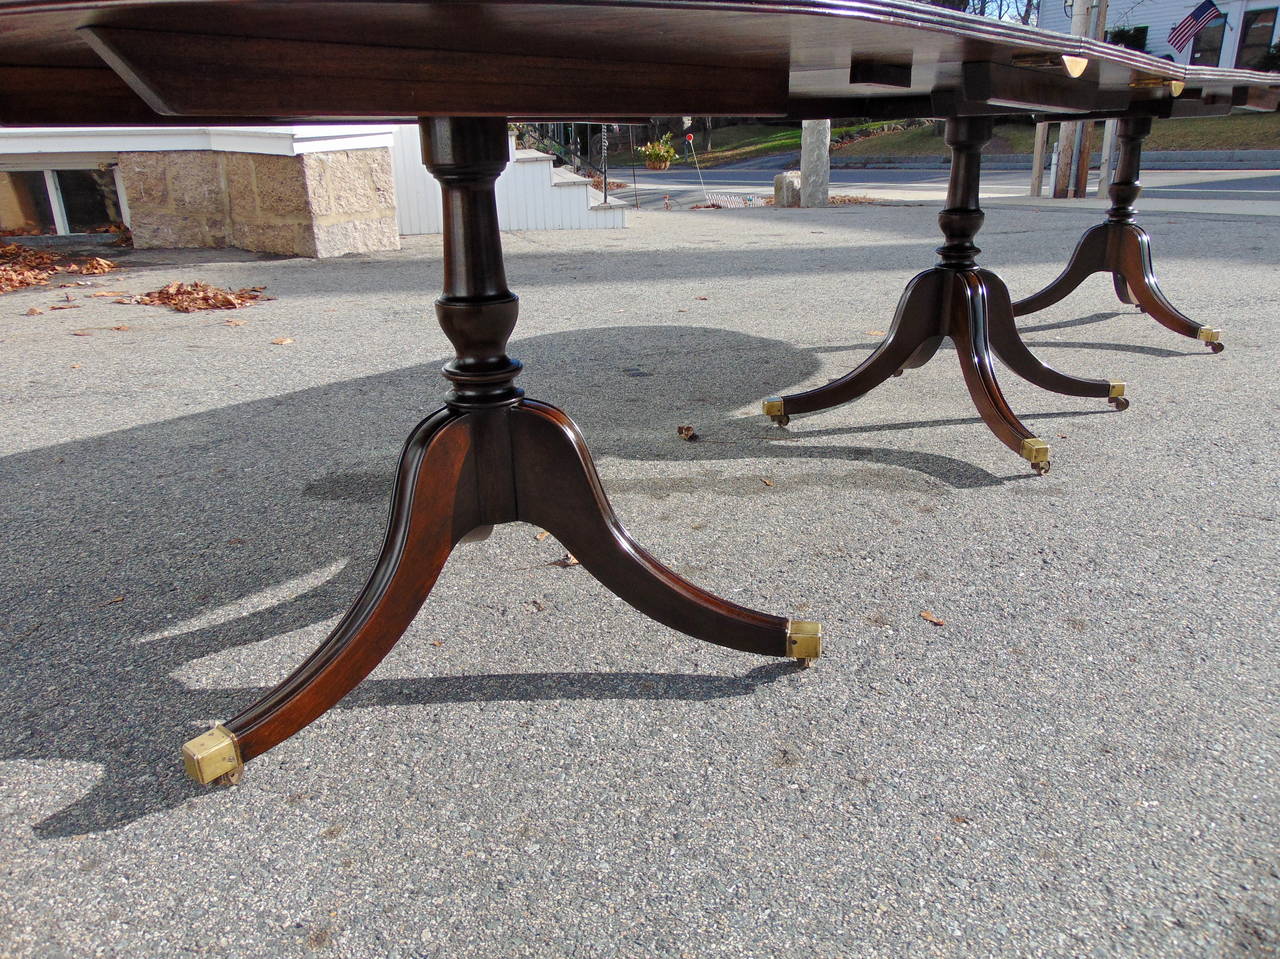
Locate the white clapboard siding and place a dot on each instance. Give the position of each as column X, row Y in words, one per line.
column 532, row 193
column 1159, row 17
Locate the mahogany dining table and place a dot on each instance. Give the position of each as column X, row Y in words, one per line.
column 464, row 68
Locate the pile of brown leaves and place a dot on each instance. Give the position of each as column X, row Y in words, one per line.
column 597, row 183
column 22, row 267
column 191, row 297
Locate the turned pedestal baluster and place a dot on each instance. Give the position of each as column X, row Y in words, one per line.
column 1122, row 248
column 488, row 456
column 959, row 299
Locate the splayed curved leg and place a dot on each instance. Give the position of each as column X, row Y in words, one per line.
column 1013, row 351
column 430, row 512
column 489, row 457
column 1122, row 248
column 557, row 489
column 917, row 319
column 1133, row 263
column 1123, row 293
column 970, row 330
column 1089, row 257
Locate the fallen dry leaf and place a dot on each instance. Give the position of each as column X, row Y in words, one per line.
column 767, row 482
column 282, row 341
column 82, row 332
column 541, row 536
column 565, row 561
column 702, row 297
column 198, row 295
column 22, row 267
column 114, row 600
column 76, row 366
column 682, row 311
column 76, row 283
column 96, row 266
column 120, row 329
column 35, row 311
column 930, row 618
column 875, row 332
column 235, row 322
column 110, row 293
column 686, row 433
column 961, row 820
column 437, row 642
column 66, row 306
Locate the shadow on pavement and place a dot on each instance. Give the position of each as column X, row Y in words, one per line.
column 118, row 536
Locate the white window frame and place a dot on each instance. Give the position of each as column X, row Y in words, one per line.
column 53, row 189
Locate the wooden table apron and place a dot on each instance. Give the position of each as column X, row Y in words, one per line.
column 490, row 455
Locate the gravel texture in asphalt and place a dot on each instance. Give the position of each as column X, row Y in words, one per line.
column 1080, row 762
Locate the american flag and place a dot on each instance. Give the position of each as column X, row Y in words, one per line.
column 1193, row 23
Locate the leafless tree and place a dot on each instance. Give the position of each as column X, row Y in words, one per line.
column 1019, row 11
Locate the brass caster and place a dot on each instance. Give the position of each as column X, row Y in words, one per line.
column 213, row 757
column 1119, row 402
column 773, row 408
column 1036, row 452
column 804, row 642
column 1211, row 337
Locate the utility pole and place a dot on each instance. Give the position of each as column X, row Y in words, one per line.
column 1098, row 30
column 1069, row 132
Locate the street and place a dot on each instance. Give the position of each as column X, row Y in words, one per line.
column 1250, row 192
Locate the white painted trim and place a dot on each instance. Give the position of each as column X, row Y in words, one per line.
column 11, row 163
column 121, row 197
column 55, row 202
column 275, row 140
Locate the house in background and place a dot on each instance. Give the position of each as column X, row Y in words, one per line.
column 1239, row 37
column 295, row 190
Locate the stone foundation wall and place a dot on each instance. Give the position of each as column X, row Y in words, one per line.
column 316, row 204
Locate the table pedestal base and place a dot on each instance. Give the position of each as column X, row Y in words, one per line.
column 1122, row 248
column 971, row 305
column 489, row 456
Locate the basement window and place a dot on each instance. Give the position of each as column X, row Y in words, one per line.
column 58, row 202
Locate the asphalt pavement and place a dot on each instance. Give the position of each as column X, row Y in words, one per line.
column 1079, row 759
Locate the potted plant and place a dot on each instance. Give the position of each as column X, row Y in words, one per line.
column 658, row 154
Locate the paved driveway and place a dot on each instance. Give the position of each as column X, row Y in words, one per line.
column 1081, row 762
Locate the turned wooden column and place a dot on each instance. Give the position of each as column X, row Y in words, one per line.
column 477, row 311
column 962, row 218
column 1125, row 186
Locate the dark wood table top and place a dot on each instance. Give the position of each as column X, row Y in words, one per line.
column 137, row 61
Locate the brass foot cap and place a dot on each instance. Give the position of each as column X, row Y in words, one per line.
column 213, row 755
column 1208, row 334
column 804, row 639
column 1117, row 389
column 1035, row 450
column 772, row 406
